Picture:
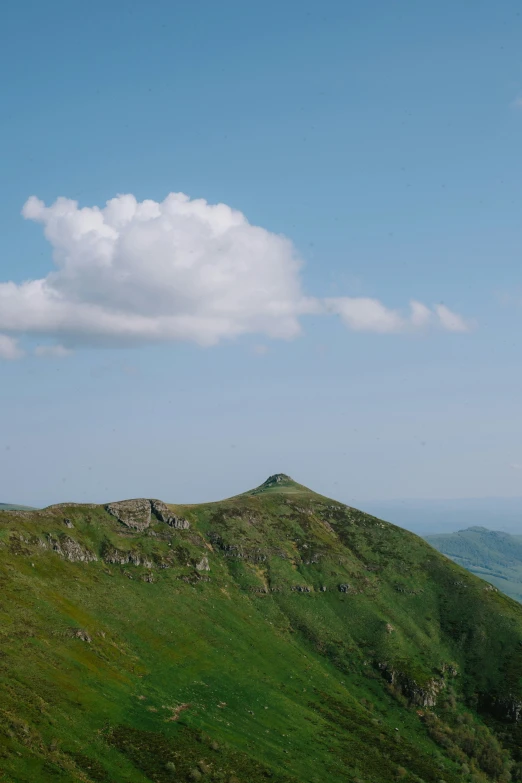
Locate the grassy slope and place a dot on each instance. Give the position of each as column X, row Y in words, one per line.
column 184, row 679
column 494, row 556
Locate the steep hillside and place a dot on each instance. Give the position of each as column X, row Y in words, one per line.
column 494, row 556
column 277, row 635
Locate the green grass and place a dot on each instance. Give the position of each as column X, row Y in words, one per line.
column 235, row 675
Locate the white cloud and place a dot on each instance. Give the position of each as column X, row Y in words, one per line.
column 370, row 315
column 451, row 321
column 517, row 102
column 181, row 269
column 9, row 348
column 53, row 351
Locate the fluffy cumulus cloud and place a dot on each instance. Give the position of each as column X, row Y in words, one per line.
column 181, row 269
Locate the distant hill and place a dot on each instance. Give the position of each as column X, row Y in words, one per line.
column 429, row 516
column 274, row 637
column 14, row 507
column 490, row 554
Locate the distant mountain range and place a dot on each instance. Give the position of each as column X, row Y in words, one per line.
column 493, row 555
column 427, row 517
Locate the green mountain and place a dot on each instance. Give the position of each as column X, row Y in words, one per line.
column 277, row 635
column 492, row 555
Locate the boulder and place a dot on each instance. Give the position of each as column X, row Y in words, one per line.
column 203, row 564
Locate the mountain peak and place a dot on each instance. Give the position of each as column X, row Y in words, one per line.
column 278, row 482
column 278, row 478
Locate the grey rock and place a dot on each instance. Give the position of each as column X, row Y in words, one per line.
column 203, row 564
column 122, row 557
column 83, row 635
column 164, row 514
column 161, row 510
column 135, row 514
column 68, row 523
column 179, row 523
column 344, row 588
column 71, row 550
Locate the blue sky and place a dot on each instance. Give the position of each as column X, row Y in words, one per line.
column 383, row 141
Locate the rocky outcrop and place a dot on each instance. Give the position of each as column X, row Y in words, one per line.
column 135, row 514
column 116, row 556
column 203, row 564
column 160, row 510
column 424, row 695
column 344, row 588
column 71, row 550
column 277, row 478
column 178, row 523
column 164, row 514
column 81, row 634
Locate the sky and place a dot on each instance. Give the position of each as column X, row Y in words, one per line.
column 246, row 238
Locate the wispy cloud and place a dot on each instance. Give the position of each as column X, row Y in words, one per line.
column 53, row 351
column 9, row 348
column 370, row 315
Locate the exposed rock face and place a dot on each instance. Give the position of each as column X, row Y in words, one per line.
column 203, row 564
column 278, row 478
column 72, row 550
column 344, row 588
column 421, row 695
column 163, row 513
column 68, row 523
column 135, row 514
column 123, row 557
column 179, row 523
column 161, row 510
